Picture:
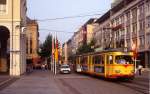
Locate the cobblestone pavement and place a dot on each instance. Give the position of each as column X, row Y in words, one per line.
column 44, row 82
column 4, row 78
column 38, row 82
column 91, row 85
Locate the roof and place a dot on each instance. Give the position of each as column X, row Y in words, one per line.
column 121, row 4
column 106, row 51
column 29, row 21
column 104, row 17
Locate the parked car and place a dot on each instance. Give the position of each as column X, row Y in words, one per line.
column 65, row 68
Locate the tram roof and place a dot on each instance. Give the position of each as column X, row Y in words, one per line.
column 105, row 51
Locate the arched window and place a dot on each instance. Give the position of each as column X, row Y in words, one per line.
column 2, row 6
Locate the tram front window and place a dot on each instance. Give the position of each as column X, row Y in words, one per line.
column 123, row 59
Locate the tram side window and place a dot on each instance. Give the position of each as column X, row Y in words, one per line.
column 98, row 59
column 84, row 60
column 77, row 60
column 81, row 60
column 109, row 59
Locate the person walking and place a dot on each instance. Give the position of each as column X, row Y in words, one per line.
column 140, row 69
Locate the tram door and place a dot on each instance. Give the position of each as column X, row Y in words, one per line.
column 78, row 64
column 109, row 64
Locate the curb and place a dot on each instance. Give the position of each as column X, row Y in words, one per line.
column 147, row 69
column 7, row 83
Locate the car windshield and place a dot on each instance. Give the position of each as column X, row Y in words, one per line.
column 124, row 59
column 64, row 66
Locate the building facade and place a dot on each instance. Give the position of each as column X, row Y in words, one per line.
column 127, row 23
column 83, row 35
column 130, row 26
column 12, row 37
column 32, row 41
column 102, row 33
column 124, row 25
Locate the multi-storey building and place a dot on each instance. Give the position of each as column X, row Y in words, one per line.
column 83, row 35
column 32, row 42
column 127, row 23
column 102, row 33
column 69, row 49
column 90, row 26
column 12, row 36
column 130, row 26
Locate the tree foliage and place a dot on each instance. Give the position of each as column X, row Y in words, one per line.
column 46, row 47
column 86, row 48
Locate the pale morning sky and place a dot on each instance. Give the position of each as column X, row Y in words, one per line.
column 49, row 9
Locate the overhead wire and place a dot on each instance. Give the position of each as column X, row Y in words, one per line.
column 69, row 17
column 61, row 31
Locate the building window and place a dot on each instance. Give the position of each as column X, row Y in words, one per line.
column 141, row 41
column 128, row 17
column 113, row 22
column 27, row 46
column 141, row 9
column 134, row 15
column 148, row 6
column 142, row 23
column 122, row 19
column 134, row 27
column 148, row 22
column 2, row 6
column 30, row 46
column 128, row 43
column 148, row 40
column 117, row 21
column 128, row 29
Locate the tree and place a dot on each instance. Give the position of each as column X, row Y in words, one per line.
column 85, row 48
column 46, row 47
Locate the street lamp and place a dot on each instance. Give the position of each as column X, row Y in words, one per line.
column 134, row 49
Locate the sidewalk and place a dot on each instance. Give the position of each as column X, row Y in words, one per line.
column 143, row 79
column 38, row 82
column 145, row 74
column 6, row 80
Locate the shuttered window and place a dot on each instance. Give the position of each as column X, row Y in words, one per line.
column 2, row 6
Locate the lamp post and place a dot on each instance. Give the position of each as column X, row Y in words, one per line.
column 134, row 49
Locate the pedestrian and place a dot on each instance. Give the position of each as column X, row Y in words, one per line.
column 140, row 69
column 43, row 66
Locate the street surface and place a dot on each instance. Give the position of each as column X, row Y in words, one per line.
column 44, row 82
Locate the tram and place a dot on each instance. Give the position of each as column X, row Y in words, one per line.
column 108, row 64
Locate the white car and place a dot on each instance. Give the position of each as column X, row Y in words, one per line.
column 65, row 69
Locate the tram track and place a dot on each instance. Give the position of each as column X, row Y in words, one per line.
column 136, row 85
column 64, row 86
column 140, row 88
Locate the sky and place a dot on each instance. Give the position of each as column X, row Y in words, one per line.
column 41, row 10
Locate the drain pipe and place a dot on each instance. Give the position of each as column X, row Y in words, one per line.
column 12, row 63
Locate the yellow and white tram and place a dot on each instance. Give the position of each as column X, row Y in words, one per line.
column 108, row 64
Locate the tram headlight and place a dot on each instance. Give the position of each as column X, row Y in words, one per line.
column 117, row 71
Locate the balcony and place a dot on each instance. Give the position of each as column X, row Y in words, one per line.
column 120, row 26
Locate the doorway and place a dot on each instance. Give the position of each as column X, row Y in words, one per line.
column 4, row 50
